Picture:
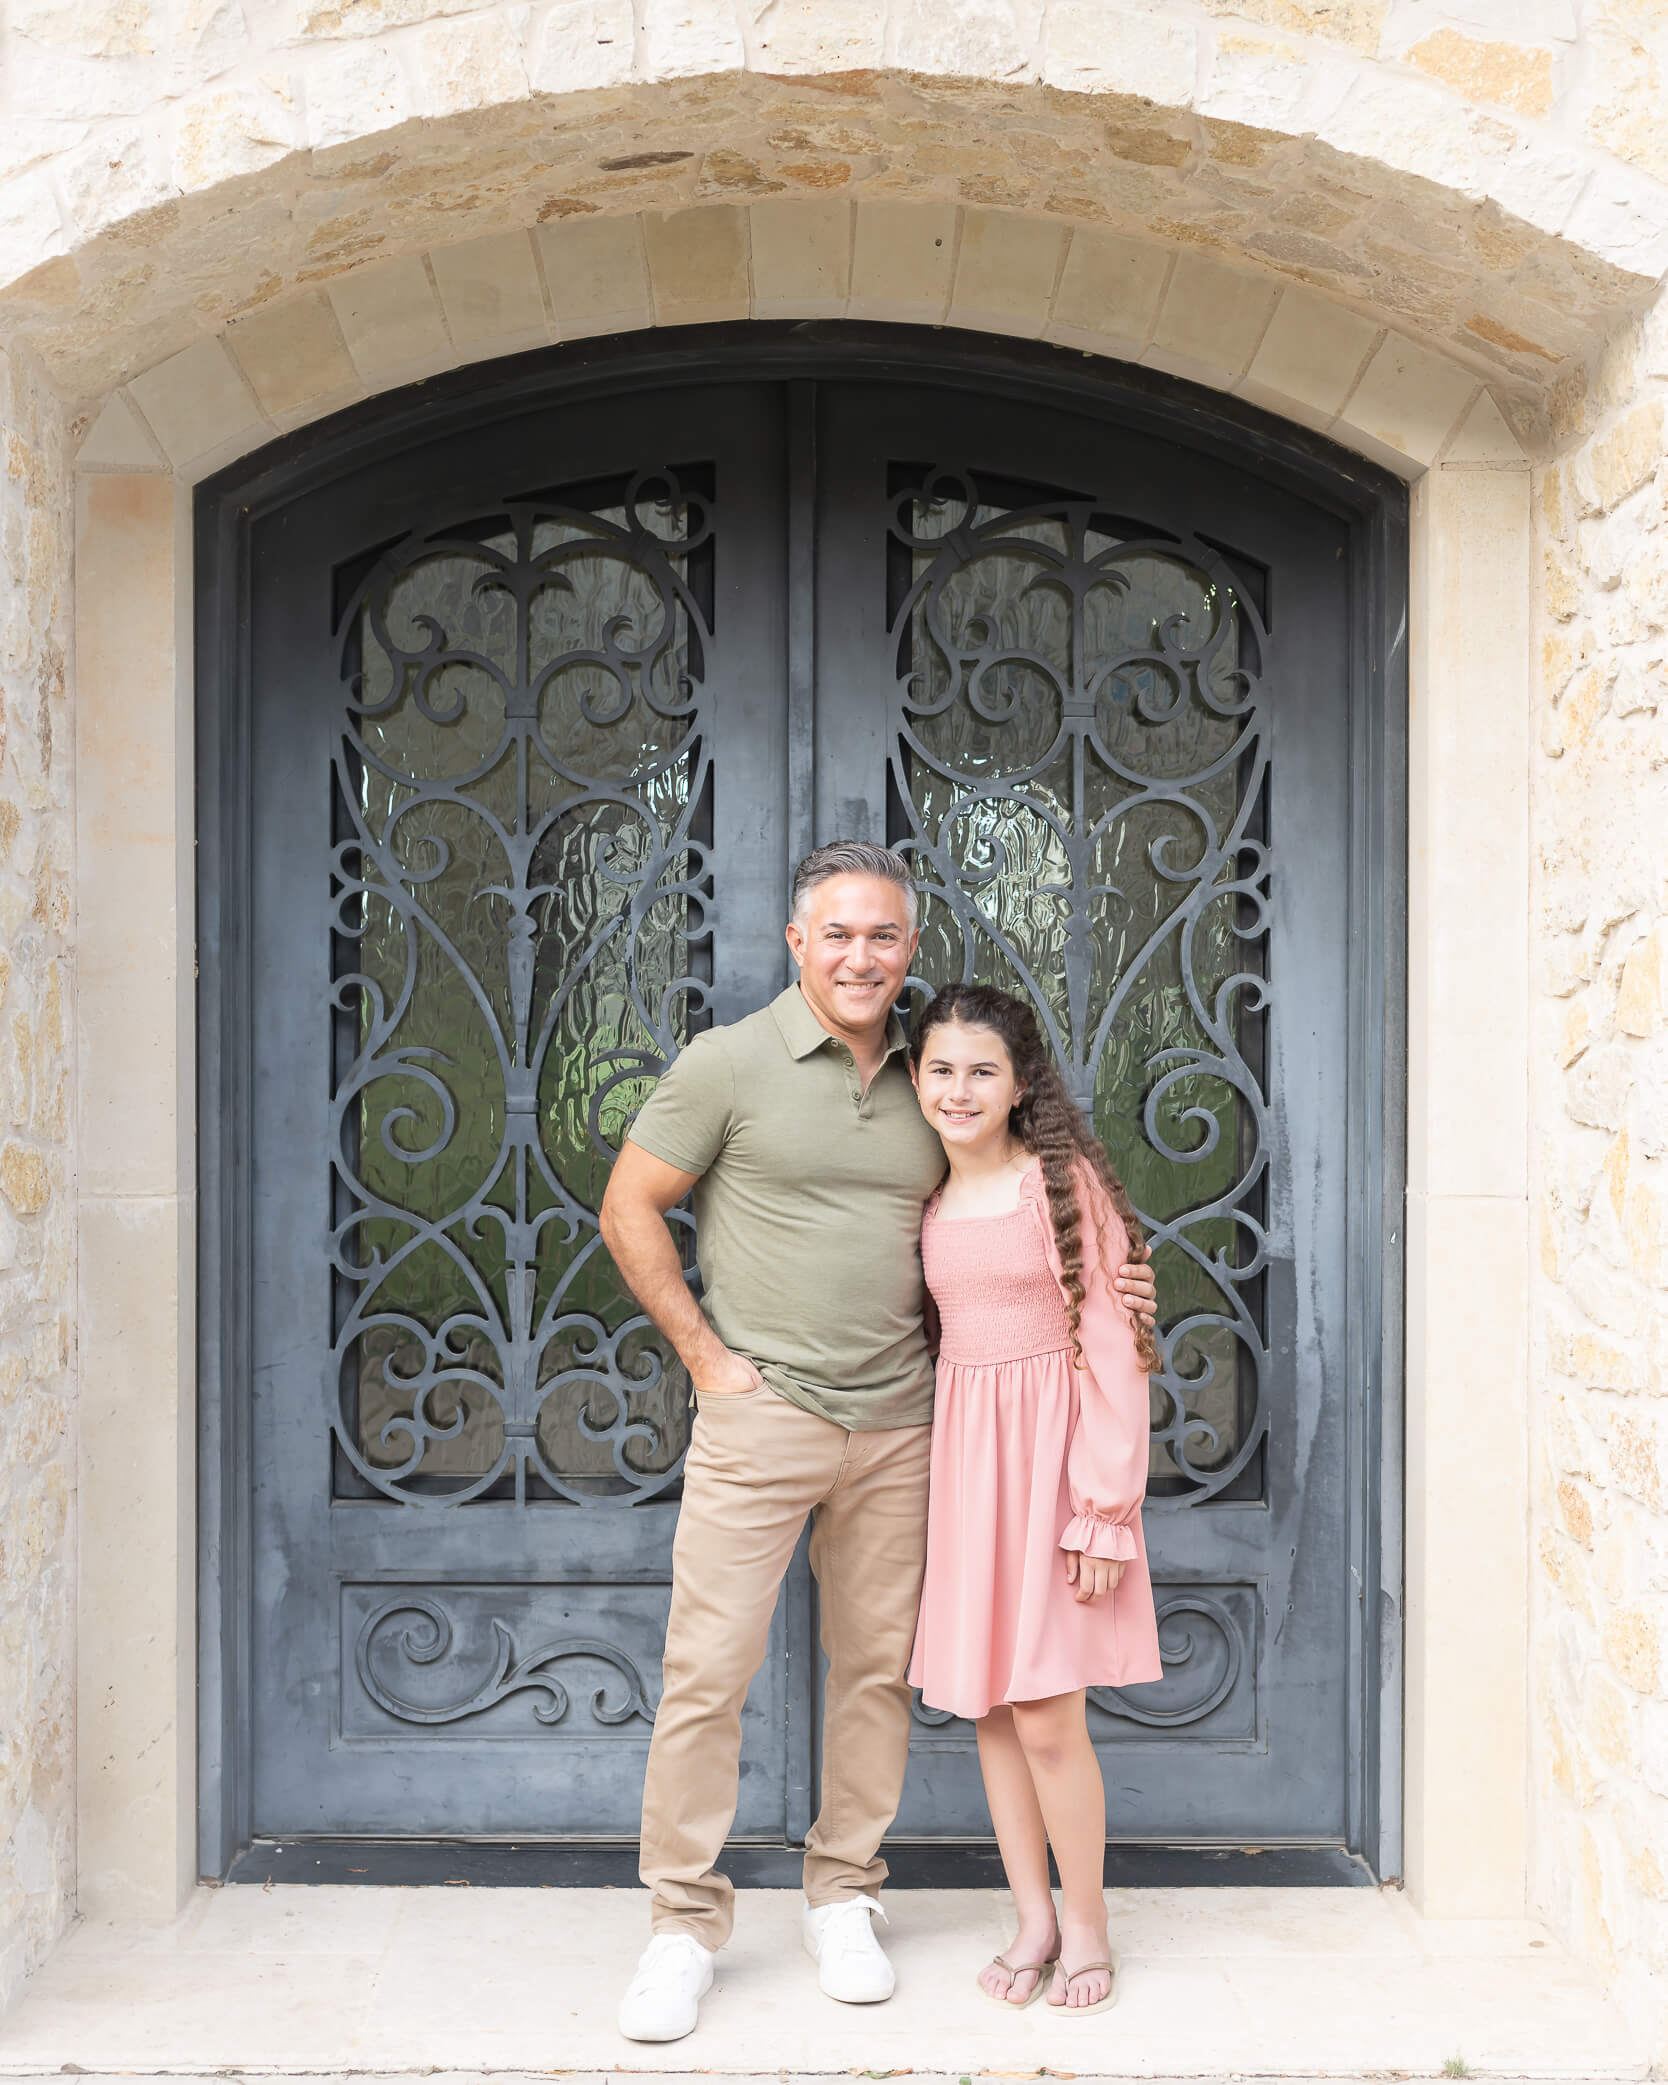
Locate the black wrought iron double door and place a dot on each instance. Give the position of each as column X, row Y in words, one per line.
column 541, row 712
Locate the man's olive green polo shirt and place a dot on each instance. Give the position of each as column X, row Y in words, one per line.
column 807, row 1210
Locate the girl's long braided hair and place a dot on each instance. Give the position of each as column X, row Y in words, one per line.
column 1048, row 1122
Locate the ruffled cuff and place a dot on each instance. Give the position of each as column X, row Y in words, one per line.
column 1096, row 1537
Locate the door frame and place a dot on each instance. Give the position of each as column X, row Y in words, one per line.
column 1374, row 506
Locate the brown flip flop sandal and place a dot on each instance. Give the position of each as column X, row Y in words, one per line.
column 1018, row 2005
column 1101, row 2005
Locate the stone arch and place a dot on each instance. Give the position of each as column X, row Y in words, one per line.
column 1279, row 344
column 311, row 177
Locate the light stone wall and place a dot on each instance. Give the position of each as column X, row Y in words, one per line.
column 1599, row 1732
column 136, row 1198
column 37, row 1238
column 1481, row 176
column 1466, row 1485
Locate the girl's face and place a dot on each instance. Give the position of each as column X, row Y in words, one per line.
column 966, row 1086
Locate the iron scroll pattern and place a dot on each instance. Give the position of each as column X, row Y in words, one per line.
column 428, row 1640
column 521, row 887
column 1185, row 1621
column 1199, row 1641
column 1078, row 750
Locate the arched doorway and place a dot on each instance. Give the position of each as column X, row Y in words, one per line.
column 518, row 705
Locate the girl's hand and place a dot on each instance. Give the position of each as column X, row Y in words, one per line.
column 1092, row 1576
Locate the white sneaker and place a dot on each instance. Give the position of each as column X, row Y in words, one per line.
column 663, row 2000
column 851, row 1962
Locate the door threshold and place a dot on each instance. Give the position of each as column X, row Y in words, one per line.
column 913, row 1864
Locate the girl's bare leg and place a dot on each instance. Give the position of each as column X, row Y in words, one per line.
column 1023, row 1841
column 1054, row 1737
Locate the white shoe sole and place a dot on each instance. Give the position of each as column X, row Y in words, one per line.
column 666, row 2034
column 867, row 1998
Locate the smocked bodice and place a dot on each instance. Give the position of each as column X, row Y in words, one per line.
column 995, row 1290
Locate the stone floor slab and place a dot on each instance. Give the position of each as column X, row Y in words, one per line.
column 1216, row 1984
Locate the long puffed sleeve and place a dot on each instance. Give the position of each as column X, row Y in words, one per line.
column 1106, row 1459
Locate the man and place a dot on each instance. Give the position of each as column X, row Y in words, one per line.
column 809, row 1158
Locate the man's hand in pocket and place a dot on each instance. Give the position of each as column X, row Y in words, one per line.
column 729, row 1376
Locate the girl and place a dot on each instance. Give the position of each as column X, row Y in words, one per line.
column 1036, row 1583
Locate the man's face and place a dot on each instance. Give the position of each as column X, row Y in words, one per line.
column 853, row 946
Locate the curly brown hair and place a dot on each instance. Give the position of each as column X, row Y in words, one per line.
column 1047, row 1121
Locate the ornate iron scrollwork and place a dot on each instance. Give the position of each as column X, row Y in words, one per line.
column 1078, row 751
column 521, row 882
column 421, row 1645
column 929, row 1718
column 1181, row 1647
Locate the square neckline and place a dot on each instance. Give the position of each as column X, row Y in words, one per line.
column 1032, row 1172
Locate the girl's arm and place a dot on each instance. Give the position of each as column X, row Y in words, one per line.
column 1106, row 1459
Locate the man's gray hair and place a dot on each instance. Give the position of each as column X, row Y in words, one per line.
column 853, row 858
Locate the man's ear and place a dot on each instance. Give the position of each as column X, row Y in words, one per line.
column 796, row 942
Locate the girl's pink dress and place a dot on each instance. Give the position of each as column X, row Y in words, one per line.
column 1030, row 1457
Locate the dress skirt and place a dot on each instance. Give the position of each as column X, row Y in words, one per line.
column 999, row 1621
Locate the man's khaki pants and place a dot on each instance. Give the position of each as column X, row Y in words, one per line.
column 757, row 1465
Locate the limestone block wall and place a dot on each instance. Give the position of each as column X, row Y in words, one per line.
column 37, row 1341
column 1484, row 174
column 1599, row 1317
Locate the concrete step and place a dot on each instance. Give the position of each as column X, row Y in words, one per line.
column 1216, row 1984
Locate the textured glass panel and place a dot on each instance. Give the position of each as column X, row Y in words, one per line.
column 520, row 875
column 1079, row 764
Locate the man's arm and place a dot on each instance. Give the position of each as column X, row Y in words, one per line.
column 641, row 1189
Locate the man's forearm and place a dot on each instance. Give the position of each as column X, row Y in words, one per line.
column 644, row 1251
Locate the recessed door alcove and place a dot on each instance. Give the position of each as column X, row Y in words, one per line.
column 518, row 696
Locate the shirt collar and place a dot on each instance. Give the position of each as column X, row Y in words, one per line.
column 803, row 1032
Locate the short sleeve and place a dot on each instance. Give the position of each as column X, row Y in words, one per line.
column 686, row 1119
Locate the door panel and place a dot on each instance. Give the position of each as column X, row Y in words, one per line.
column 518, row 816
column 493, row 746
column 1123, row 780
